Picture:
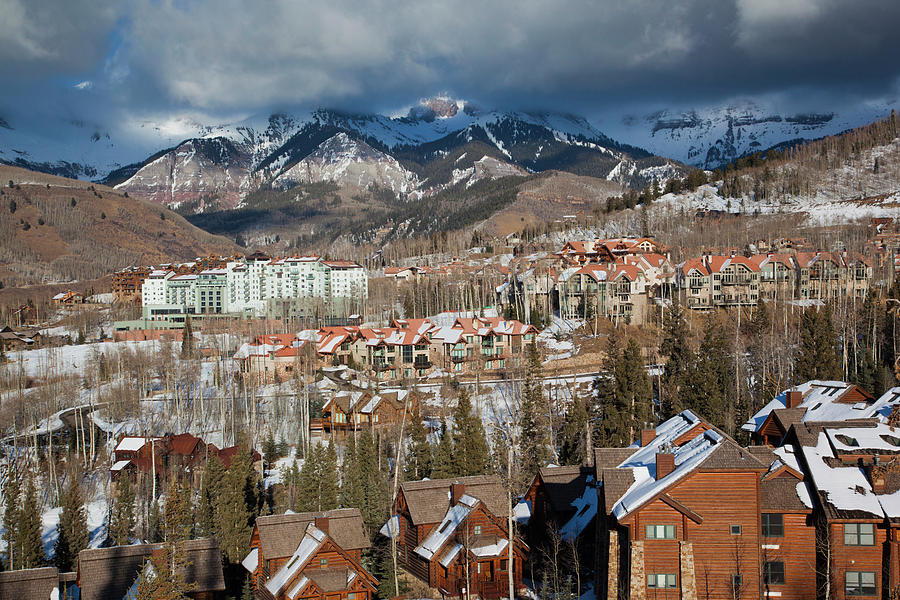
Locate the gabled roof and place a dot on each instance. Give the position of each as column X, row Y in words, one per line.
column 280, row 534
column 562, row 485
column 429, row 500
column 709, row 449
column 825, row 401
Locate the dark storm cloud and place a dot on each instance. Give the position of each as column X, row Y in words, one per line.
column 231, row 56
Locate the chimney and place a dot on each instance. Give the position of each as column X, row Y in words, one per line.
column 647, row 436
column 322, row 523
column 665, row 464
column 794, row 398
column 457, row 490
column 876, row 474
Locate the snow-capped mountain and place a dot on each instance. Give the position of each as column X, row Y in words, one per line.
column 198, row 167
column 346, row 161
column 712, row 137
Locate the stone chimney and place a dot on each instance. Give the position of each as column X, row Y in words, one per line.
column 794, row 398
column 647, row 436
column 665, row 464
column 322, row 523
column 457, row 491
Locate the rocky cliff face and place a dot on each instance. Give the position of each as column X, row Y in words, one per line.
column 348, row 162
column 197, row 176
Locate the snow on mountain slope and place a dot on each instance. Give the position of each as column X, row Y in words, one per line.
column 204, row 173
column 349, row 162
column 849, row 194
column 710, row 138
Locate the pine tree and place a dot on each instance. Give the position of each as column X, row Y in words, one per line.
column 677, row 350
column 532, row 424
column 374, row 482
column 418, row 452
column 270, row 450
column 155, row 526
column 351, row 477
column 817, row 357
column 611, row 419
column 31, row 551
column 210, row 492
column 309, row 480
column 121, row 527
column 573, row 443
column 329, row 489
column 240, row 503
column 247, row 590
column 164, row 575
column 443, row 466
column 471, row 455
column 11, row 498
column 633, row 388
column 178, row 512
column 72, row 532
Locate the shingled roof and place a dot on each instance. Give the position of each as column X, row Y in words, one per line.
column 563, row 484
column 28, row 584
column 105, row 573
column 429, row 500
column 280, row 534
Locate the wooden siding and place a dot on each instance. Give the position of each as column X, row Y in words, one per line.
column 797, row 550
column 722, row 499
column 855, row 558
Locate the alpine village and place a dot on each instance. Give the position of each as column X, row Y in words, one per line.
column 252, row 348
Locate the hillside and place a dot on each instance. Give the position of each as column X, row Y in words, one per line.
column 54, row 229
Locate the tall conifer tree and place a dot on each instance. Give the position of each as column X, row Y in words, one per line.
column 121, row 527
column 31, row 551
column 471, row 454
column 12, row 498
column 72, row 533
column 443, row 465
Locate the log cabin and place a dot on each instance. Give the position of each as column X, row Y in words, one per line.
column 105, row 573
column 453, row 535
column 318, row 567
column 276, row 538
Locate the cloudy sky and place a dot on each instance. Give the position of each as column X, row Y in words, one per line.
column 226, row 58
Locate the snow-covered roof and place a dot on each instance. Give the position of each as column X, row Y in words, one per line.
column 822, row 402
column 687, row 457
column 456, row 514
column 119, row 465
column 130, row 444
column 251, row 561
column 493, row 549
column 311, row 542
column 585, row 510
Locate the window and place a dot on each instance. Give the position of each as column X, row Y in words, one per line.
column 773, row 573
column 860, row 583
column 660, row 532
column 661, row 580
column 477, row 530
column 859, row 534
column 323, row 563
column 503, row 564
column 772, row 525
column 735, row 530
column 736, row 581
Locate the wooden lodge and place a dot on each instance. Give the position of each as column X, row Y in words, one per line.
column 353, row 410
column 453, row 535
column 311, row 556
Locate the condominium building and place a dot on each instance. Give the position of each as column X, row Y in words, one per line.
column 252, row 286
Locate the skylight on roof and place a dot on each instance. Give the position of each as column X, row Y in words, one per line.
column 847, row 440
